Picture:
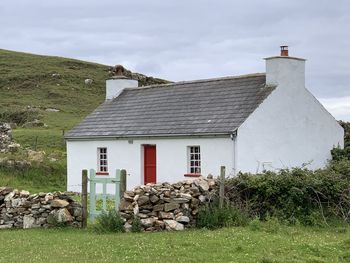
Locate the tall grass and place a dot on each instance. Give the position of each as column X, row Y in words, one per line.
column 44, row 177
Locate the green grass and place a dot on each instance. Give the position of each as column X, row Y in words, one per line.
column 26, row 80
column 290, row 244
column 50, row 177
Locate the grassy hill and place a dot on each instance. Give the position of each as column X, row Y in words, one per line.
column 31, row 84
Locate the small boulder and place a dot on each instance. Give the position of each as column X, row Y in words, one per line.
column 28, row 222
column 9, row 196
column 183, row 219
column 125, row 205
column 173, row 225
column 144, row 199
column 59, row 203
column 24, row 193
column 171, row 206
column 63, row 216
column 148, row 222
column 165, row 215
column 202, row 184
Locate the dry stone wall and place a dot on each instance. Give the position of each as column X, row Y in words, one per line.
column 5, row 136
column 6, row 144
column 20, row 209
column 167, row 206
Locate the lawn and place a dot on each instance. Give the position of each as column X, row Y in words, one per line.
column 241, row 244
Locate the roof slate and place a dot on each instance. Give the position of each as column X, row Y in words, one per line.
column 203, row 107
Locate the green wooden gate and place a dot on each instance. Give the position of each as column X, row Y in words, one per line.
column 119, row 181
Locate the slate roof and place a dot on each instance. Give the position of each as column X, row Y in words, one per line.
column 204, row 107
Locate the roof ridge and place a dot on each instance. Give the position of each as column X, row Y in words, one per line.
column 198, row 81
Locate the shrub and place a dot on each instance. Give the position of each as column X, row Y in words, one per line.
column 296, row 195
column 255, row 224
column 136, row 225
column 109, row 221
column 213, row 217
column 272, row 224
column 339, row 154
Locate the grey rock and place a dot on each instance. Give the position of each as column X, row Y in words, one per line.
column 148, row 222
column 180, row 200
column 28, row 222
column 202, row 184
column 143, row 200
column 165, row 215
column 154, row 198
column 63, row 216
column 59, row 203
column 159, row 207
column 5, row 226
column 36, row 206
column 77, row 211
column 173, row 225
column 127, row 227
column 183, row 219
column 9, row 196
column 125, row 205
column 202, row 198
column 170, row 206
column 143, row 216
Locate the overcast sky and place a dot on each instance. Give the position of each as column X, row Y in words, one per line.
column 190, row 39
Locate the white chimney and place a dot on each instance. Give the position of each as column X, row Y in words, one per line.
column 116, row 84
column 284, row 70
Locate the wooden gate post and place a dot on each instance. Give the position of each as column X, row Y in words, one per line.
column 122, row 182
column 222, row 186
column 84, row 180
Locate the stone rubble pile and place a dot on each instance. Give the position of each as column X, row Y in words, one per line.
column 5, row 137
column 167, row 206
column 20, row 209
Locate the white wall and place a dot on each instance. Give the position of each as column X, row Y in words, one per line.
column 115, row 86
column 290, row 127
column 171, row 158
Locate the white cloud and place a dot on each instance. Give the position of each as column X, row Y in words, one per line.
column 339, row 107
column 187, row 39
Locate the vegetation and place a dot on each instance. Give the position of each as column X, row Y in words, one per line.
column 53, row 90
column 295, row 196
column 39, row 177
column 237, row 244
column 109, row 222
column 136, row 225
column 213, row 217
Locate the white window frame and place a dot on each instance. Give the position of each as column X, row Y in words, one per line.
column 102, row 160
column 194, row 159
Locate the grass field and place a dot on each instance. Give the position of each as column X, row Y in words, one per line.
column 29, row 85
column 241, row 244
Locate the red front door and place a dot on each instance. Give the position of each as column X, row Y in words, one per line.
column 150, row 159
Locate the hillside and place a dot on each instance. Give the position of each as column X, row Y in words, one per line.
column 32, row 85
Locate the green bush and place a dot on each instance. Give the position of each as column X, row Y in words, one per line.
column 136, row 225
column 255, row 224
column 212, row 217
column 109, row 221
column 296, row 195
column 339, row 154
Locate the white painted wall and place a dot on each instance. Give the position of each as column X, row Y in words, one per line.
column 171, row 158
column 290, row 127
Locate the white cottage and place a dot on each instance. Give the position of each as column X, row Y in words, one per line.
column 186, row 129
